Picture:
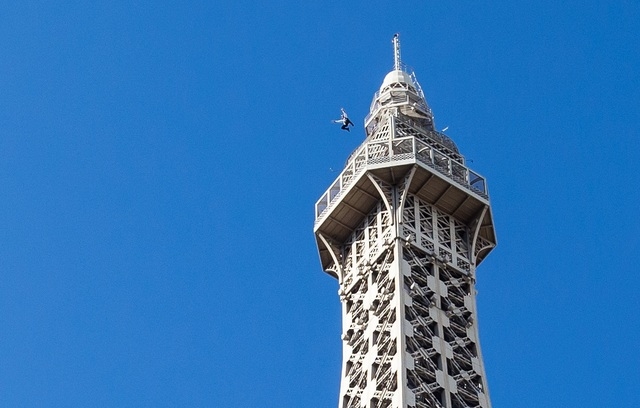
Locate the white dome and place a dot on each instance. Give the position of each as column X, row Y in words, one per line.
column 397, row 76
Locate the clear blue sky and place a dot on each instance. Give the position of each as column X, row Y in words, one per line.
column 160, row 161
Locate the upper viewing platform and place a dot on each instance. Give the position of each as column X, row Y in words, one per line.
column 406, row 144
column 411, row 138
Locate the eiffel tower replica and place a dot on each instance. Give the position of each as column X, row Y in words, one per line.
column 403, row 228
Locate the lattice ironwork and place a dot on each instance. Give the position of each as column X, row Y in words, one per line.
column 432, row 295
column 443, row 340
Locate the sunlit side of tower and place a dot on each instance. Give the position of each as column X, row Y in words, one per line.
column 403, row 229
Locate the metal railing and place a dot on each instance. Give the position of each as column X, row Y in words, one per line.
column 398, row 149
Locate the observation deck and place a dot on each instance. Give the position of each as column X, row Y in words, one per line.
column 442, row 179
column 401, row 138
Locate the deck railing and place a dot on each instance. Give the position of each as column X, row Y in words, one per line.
column 399, row 149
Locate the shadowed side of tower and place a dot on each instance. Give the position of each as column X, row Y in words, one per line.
column 403, row 229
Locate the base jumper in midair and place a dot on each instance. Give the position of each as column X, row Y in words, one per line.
column 344, row 119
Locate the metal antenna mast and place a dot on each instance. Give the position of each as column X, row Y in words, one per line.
column 396, row 52
column 403, row 228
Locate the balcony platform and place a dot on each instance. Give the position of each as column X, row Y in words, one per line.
column 447, row 185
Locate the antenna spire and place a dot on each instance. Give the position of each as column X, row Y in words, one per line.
column 396, row 52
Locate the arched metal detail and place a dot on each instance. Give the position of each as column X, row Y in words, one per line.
column 476, row 226
column 482, row 246
column 405, row 191
column 479, row 244
column 385, row 194
column 334, row 256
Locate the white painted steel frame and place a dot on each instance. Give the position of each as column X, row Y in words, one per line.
column 407, row 268
column 409, row 315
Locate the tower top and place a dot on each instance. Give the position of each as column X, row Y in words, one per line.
column 400, row 73
column 399, row 93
